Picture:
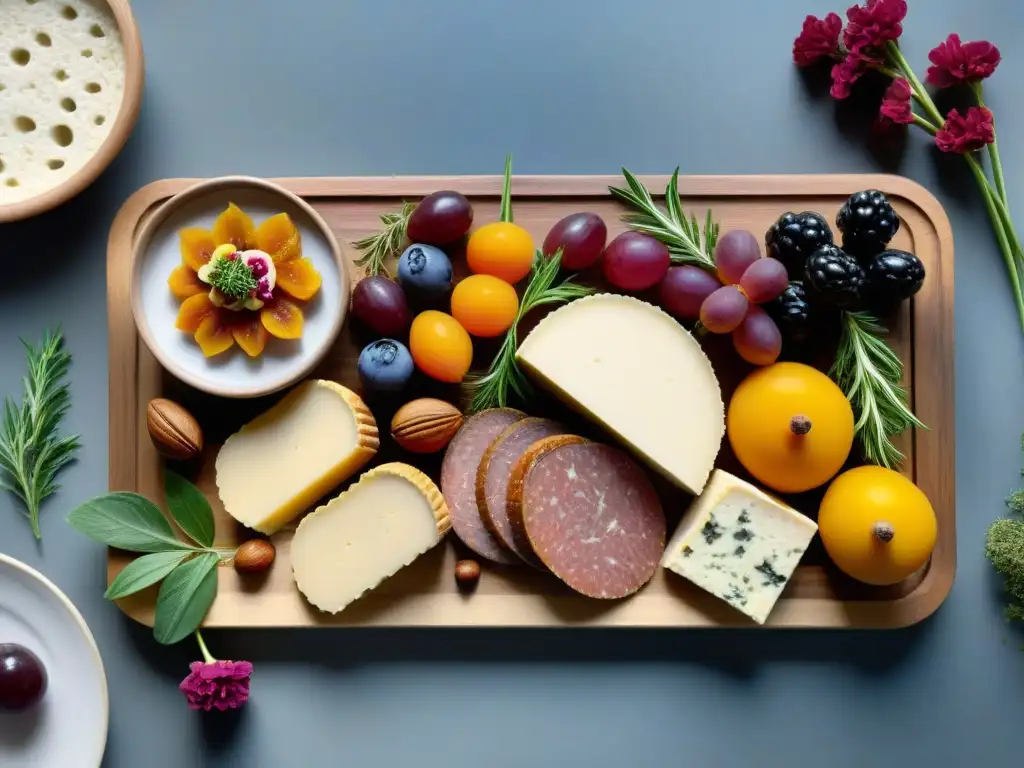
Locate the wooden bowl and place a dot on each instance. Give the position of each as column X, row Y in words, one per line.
column 122, row 126
column 233, row 374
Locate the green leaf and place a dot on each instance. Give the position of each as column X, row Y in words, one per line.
column 506, row 190
column 189, row 508
column 143, row 572
column 126, row 521
column 185, row 597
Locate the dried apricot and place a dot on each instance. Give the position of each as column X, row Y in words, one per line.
column 234, row 226
column 440, row 346
column 184, row 282
column 214, row 336
column 193, row 311
column 251, row 336
column 197, row 246
column 484, row 305
column 298, row 278
column 279, row 237
column 283, row 319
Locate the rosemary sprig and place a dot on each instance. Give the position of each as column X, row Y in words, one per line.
column 682, row 236
column 385, row 244
column 869, row 372
column 31, row 451
column 504, row 376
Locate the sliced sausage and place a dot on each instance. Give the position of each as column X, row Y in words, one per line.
column 458, row 480
column 591, row 515
column 495, row 471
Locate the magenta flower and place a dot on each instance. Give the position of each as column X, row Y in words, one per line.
column 955, row 62
column 214, row 684
column 896, row 106
column 872, row 25
column 966, row 133
column 818, row 39
column 845, row 74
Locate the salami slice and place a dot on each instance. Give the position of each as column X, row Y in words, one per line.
column 591, row 515
column 458, row 480
column 495, row 471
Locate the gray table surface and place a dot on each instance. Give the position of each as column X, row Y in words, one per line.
column 389, row 87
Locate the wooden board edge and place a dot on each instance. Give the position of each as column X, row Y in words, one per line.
column 909, row 610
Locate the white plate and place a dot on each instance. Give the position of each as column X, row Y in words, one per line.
column 233, row 373
column 68, row 729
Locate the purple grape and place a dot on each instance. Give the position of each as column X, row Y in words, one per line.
column 380, row 303
column 724, row 309
column 736, row 250
column 635, row 262
column 581, row 236
column 23, row 678
column 684, row 289
column 764, row 280
column 757, row 339
column 440, row 218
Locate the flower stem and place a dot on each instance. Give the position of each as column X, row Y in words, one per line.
column 993, row 151
column 922, row 123
column 997, row 223
column 207, row 656
column 919, row 92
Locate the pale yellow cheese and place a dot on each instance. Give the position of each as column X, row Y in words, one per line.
column 638, row 372
column 277, row 465
column 354, row 542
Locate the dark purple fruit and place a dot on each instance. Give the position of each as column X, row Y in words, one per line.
column 868, row 222
column 581, row 236
column 23, row 678
column 893, row 276
column 795, row 236
column 440, row 218
column 791, row 313
column 683, row 290
column 635, row 262
column 380, row 303
column 833, row 278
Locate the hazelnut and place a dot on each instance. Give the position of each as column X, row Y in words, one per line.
column 254, row 556
column 175, row 432
column 467, row 573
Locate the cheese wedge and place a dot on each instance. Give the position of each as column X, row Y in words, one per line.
column 378, row 526
column 635, row 370
column 739, row 544
column 280, row 463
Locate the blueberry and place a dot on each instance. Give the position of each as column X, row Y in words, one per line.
column 425, row 270
column 385, row 365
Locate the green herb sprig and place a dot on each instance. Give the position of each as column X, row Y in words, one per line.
column 1004, row 547
column 686, row 242
column 188, row 571
column 385, row 244
column 233, row 277
column 869, row 372
column 32, row 452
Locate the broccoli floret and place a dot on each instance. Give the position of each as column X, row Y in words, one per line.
column 1004, row 546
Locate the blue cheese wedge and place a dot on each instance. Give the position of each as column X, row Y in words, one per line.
column 739, row 544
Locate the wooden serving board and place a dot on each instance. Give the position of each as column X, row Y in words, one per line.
column 425, row 593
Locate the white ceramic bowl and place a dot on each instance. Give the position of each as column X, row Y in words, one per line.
column 69, row 726
column 233, row 373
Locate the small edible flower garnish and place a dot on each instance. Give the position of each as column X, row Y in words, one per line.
column 239, row 282
column 818, row 40
column 214, row 684
column 896, row 103
column 966, row 133
column 954, row 62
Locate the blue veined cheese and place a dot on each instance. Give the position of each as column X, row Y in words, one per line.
column 739, row 544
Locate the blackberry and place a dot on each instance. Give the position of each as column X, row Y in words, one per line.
column 867, row 222
column 893, row 276
column 833, row 278
column 791, row 313
column 794, row 237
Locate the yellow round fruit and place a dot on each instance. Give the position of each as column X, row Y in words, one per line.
column 440, row 347
column 790, row 426
column 876, row 525
column 485, row 305
column 502, row 249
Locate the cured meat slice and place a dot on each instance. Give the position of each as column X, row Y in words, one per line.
column 458, row 480
column 590, row 514
column 495, row 471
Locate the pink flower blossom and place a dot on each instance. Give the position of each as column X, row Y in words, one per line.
column 896, row 107
column 818, row 39
column 955, row 62
column 218, row 685
column 872, row 25
column 845, row 74
column 966, row 133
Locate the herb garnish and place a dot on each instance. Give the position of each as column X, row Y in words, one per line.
column 31, row 450
column 188, row 570
column 1004, row 547
column 233, row 277
column 385, row 244
column 869, row 372
column 682, row 237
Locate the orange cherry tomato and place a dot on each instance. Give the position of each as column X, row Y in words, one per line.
column 440, row 347
column 502, row 249
column 485, row 305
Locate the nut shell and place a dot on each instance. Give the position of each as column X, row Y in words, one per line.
column 175, row 432
column 425, row 425
column 255, row 556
